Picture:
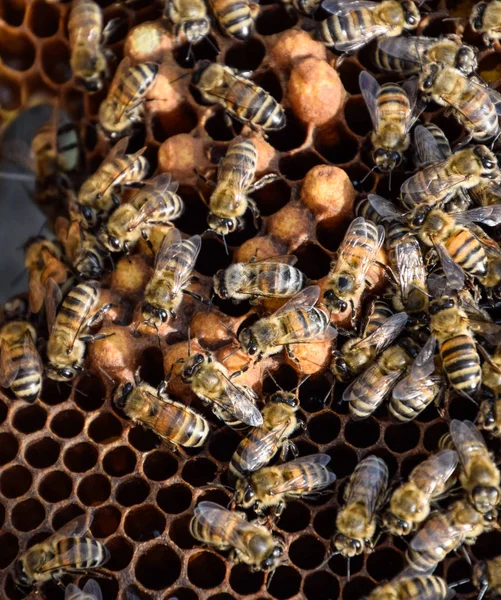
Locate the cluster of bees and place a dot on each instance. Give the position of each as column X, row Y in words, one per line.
column 443, row 276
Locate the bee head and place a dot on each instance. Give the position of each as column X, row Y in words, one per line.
column 486, row 418
column 191, row 366
column 284, row 398
column 154, row 314
column 111, row 242
column 222, row 226
column 466, row 59
column 66, row 373
column 20, row 576
column 220, row 284
column 248, row 341
column 443, row 303
column 488, row 160
column 334, row 303
column 196, row 29
column 484, row 497
column 273, row 559
column 411, row 15
column 340, row 368
column 477, row 17
column 418, row 216
column 89, row 214
column 386, row 160
column 429, row 75
column 123, row 392
column 395, row 525
column 347, row 546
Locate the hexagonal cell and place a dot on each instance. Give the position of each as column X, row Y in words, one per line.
column 152, row 366
column 15, row 481
column 43, row 453
column 206, row 570
column 121, row 552
column 56, row 61
column 324, row 523
column 182, row 594
column 27, row 515
column 3, row 411
column 8, row 448
column 324, row 428
column 174, row 499
column 182, row 119
column 2, row 515
column 94, row 490
column 295, row 166
column 16, row 51
column 244, row 581
column 30, row 418
column 295, row 517
column 119, row 461
column 65, row 515
column 275, row 20
column 402, row 437
column 356, row 587
column 144, row 523
column 9, row 547
column 307, row 552
column 432, row 435
column 272, row 197
column 52, row 392
column 160, row 465
column 179, row 533
column 199, row 471
column 80, row 457
column 132, row 492
column 55, row 487
column 89, row 391
column 362, row 434
column 44, row 19
column 106, row 521
column 158, row 567
column 321, row 585
column 314, row 263
column 10, row 92
column 246, row 56
column 67, row 423
column 338, row 146
column 105, row 429
column 293, row 135
column 285, row 583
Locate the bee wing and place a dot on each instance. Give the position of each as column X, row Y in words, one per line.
column 343, row 7
column 362, row 237
column 160, row 184
column 370, row 89
column 308, row 478
column 410, row 87
column 264, row 447
column 429, row 536
column 72, row 556
column 489, row 215
column 480, row 324
column 8, row 370
column 385, row 334
column 410, row 265
column 53, row 297
column 442, row 465
column 238, row 403
column 369, row 490
column 92, row 588
column 384, row 208
column 75, row 527
column 72, row 592
column 117, row 151
column 286, row 259
column 19, row 153
column 466, row 436
column 407, row 48
column 229, row 523
column 36, row 292
column 417, row 185
column 454, row 274
column 170, row 251
column 306, row 298
column 426, row 146
column 30, row 350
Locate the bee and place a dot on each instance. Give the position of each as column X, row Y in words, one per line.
column 485, row 18
column 235, row 181
column 475, row 106
column 381, row 329
column 392, row 109
column 155, row 205
column 439, row 182
column 406, row 55
column 251, row 543
column 445, row 532
column 189, row 19
column 236, row 19
column 241, row 98
column 69, row 329
column 173, row 267
column 347, row 278
column 297, row 321
column 427, row 587
column 274, row 277
column 176, row 423
column 410, row 504
column 305, row 7
column 88, row 59
column 20, row 364
column 371, row 387
column 68, row 550
column 263, row 442
column 90, row 591
column 364, row 494
column 271, row 486
column 353, row 26
column 89, row 259
column 97, row 195
column 232, row 403
column 486, row 576
column 479, row 476
column 419, row 388
column 489, row 414
column 123, row 106
column 44, row 260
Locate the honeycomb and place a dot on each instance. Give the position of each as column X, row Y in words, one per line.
column 72, row 453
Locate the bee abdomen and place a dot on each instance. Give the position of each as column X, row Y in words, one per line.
column 236, row 18
column 468, row 253
column 412, row 407
column 461, row 363
column 424, row 588
column 381, row 312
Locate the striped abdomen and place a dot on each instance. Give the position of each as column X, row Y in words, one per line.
column 397, row 233
column 430, row 180
column 467, row 252
column 75, row 310
column 338, row 29
column 380, row 312
column 236, row 17
column 86, row 553
column 238, row 167
column 248, row 449
column 461, row 363
column 372, row 469
column 440, row 139
column 301, row 325
column 437, row 537
column 423, row 588
column 249, row 103
column 133, row 85
column 393, row 103
column 386, row 62
column 124, row 169
column 216, row 531
column 159, row 209
column 85, row 23
column 364, row 209
column 277, row 280
column 176, row 422
column 478, row 114
column 360, row 239
column 28, row 380
column 408, row 410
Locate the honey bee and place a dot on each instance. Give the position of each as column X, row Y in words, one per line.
column 273, row 277
column 236, row 19
column 297, row 321
column 232, row 403
column 486, row 576
column 392, row 109
column 427, row 587
column 352, row 26
column 485, row 18
column 241, row 98
column 439, row 182
column 271, row 486
column 86, row 34
column 235, row 181
column 406, row 55
column 173, row 267
column 176, row 423
column 371, row 387
column 419, row 388
column 250, row 542
column 123, row 106
column 475, row 106
column 410, row 504
column 347, row 277
column 43, row 259
column 69, row 329
column 357, row 353
column 364, row 494
column 90, row 591
column 189, row 19
column 97, row 195
column 155, row 205
column 20, row 364
column 263, row 442
column 479, row 474
column 305, row 7
column 445, row 532
column 489, row 414
column 68, row 550
column 90, row 256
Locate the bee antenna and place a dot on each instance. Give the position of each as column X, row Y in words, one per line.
column 180, row 77
column 268, row 372
column 107, row 375
column 302, row 381
column 229, row 330
column 213, row 45
column 389, row 180
column 230, row 354
column 225, row 244
column 458, row 583
column 348, row 570
column 189, row 342
column 482, row 592
column 356, row 183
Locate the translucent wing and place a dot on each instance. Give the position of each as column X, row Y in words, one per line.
column 424, row 363
column 426, row 146
column 160, row 184
column 367, row 485
column 36, row 292
column 75, row 527
column 433, row 537
column 372, row 373
column 260, row 449
column 72, row 557
column 360, row 232
column 228, row 524
column 306, row 298
column 31, row 351
column 344, row 7
column 117, row 151
column 370, row 90
column 417, row 184
column 18, row 153
column 442, row 465
column 286, row 259
column 72, row 592
column 384, row 208
column 489, row 215
column 53, row 297
column 309, row 477
column 454, row 274
column 171, row 413
column 368, row 34
column 178, row 255
column 8, row 370
column 410, row 266
column 409, row 49
column 92, row 588
column 237, row 401
column 466, row 437
column 410, row 87
column 385, row 334
column 481, row 324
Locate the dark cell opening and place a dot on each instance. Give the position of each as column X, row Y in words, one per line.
column 217, row 127
column 194, row 218
column 144, row 523
column 218, row 496
column 272, row 197
column 158, row 568
column 206, row 570
column 55, row 486
column 12, row 12
column 360, row 178
column 357, row 588
column 106, row 521
column 182, row 594
column 132, row 492
column 324, row 523
column 384, row 563
column 121, row 553
column 213, row 258
column 67, row 423
column 44, row 19
column 401, row 438
column 285, row 583
column 3, row 411
column 89, row 393
column 179, row 533
column 119, row 461
column 321, row 586
column 339, row 565
column 143, row 439
column 56, row 61
column 247, row 56
column 462, row 408
column 315, row 264
column 65, row 515
column 274, row 20
column 160, row 465
column 293, row 135
column 54, row 392
column 94, row 490
column 199, row 471
column 224, row 443
column 349, row 72
column 182, row 119
column 296, row 166
column 27, row 515
column 307, row 552
column 15, row 481
column 9, row 547
column 244, row 581
column 2, row 515
column 344, row 458
column 105, row 429
column 339, row 147
column 357, row 116
column 362, row 434
column 432, row 435
column 324, row 428
column 330, row 233
column 81, row 457
column 207, row 49
column 174, row 499
column 294, row 518
column 30, row 419
column 17, row 51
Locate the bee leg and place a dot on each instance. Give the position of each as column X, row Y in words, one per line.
column 115, row 199
column 229, row 123
column 340, row 59
column 57, row 581
column 291, row 355
column 255, row 212
column 257, row 185
column 95, row 338
column 99, row 315
column 279, row 509
column 463, row 142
